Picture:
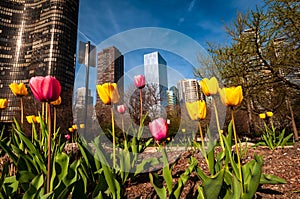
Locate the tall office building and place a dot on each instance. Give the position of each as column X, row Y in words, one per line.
column 189, row 90
column 37, row 38
column 155, row 71
column 110, row 67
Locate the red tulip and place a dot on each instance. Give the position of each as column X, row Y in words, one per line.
column 45, row 89
column 121, row 108
column 159, row 129
column 139, row 81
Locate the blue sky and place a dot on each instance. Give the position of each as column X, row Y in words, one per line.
column 126, row 23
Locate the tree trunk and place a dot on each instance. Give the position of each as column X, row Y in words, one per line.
column 296, row 137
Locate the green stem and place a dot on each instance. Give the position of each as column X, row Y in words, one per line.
column 114, row 136
column 218, row 124
column 22, row 110
column 202, row 143
column 141, row 107
column 49, row 149
column 54, row 122
column 236, row 146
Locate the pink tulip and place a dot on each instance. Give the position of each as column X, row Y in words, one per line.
column 67, row 136
column 121, row 108
column 45, row 89
column 159, row 129
column 139, row 81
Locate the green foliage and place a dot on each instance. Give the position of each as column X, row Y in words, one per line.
column 227, row 178
column 30, row 160
column 273, row 139
column 170, row 190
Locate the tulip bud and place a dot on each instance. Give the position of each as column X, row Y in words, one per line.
column 45, row 89
column 67, row 136
column 269, row 114
column 3, row 103
column 159, row 129
column 121, row 108
column 139, row 81
column 18, row 89
column 262, row 116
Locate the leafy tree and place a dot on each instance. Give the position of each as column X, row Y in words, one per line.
column 262, row 57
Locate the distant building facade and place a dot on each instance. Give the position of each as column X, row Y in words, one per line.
column 189, row 90
column 172, row 97
column 37, row 38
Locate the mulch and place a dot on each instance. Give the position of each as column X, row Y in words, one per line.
column 282, row 162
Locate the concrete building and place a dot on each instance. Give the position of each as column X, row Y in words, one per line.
column 189, row 90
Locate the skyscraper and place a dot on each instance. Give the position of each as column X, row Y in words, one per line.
column 110, row 66
column 155, row 71
column 37, row 38
column 110, row 70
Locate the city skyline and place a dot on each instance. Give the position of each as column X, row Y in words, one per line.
column 179, row 30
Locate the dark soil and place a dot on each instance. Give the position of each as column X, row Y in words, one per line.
column 284, row 163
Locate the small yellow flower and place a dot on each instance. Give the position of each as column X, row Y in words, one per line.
column 232, row 96
column 168, row 139
column 74, row 126
column 209, row 86
column 183, row 130
column 38, row 119
column 269, row 114
column 81, row 126
column 18, row 89
column 262, row 116
column 56, row 102
column 108, row 93
column 196, row 110
column 71, row 130
column 3, row 103
column 31, row 119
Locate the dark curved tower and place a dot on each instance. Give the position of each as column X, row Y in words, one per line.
column 37, row 37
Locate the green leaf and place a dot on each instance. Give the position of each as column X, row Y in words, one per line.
column 158, row 186
column 251, row 176
column 61, row 165
column 166, row 171
column 271, row 179
column 34, row 187
column 149, row 161
column 213, row 184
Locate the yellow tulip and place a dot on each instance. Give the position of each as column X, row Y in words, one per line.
column 269, row 114
column 74, row 126
column 56, row 102
column 38, row 119
column 232, row 96
column 18, row 89
column 31, row 119
column 108, row 93
column 209, row 86
column 196, row 110
column 262, row 116
column 71, row 130
column 3, row 103
column 81, row 126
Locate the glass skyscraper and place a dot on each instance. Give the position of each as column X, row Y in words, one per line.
column 37, row 38
column 155, row 71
